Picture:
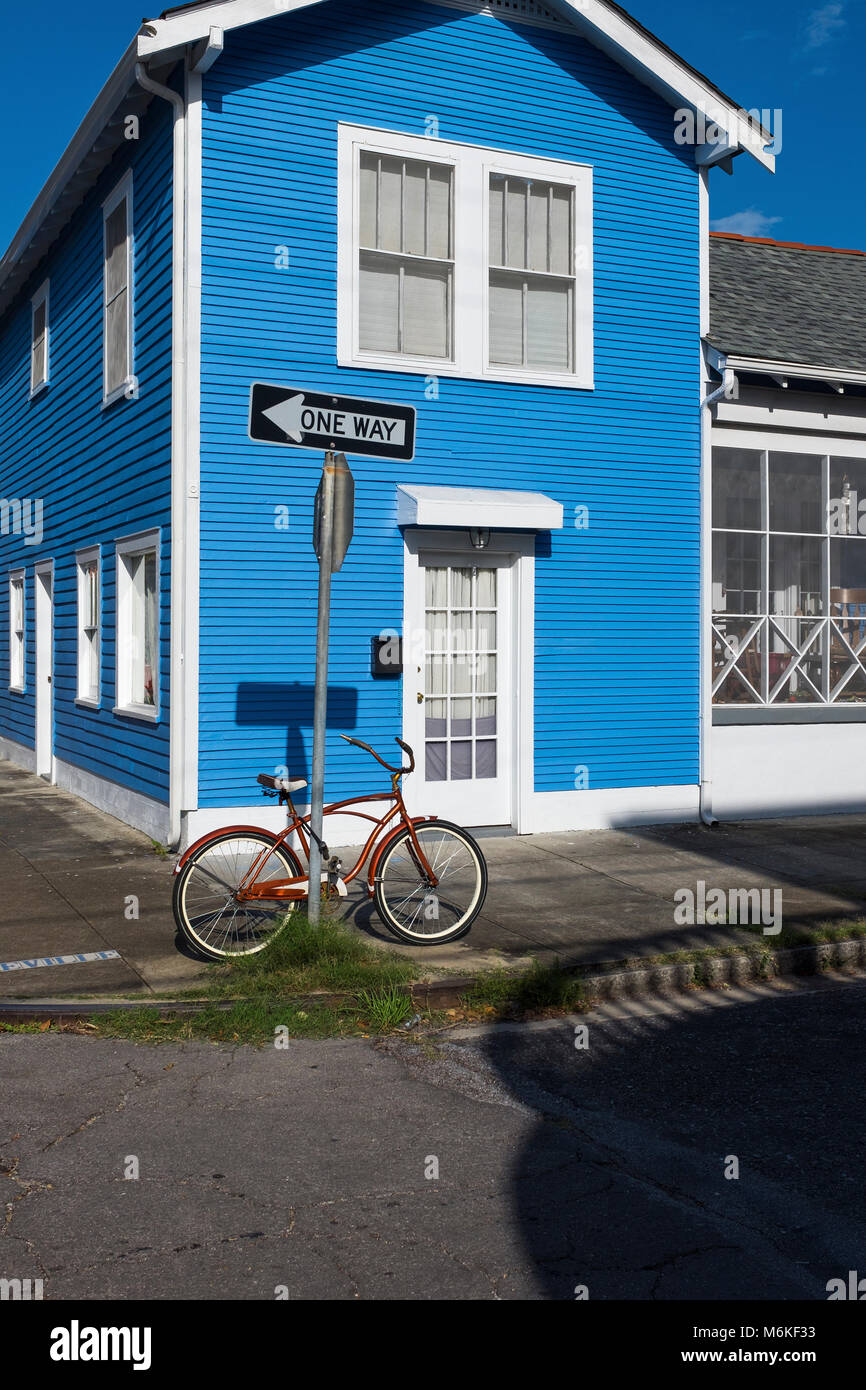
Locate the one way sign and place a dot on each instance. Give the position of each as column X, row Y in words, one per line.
column 310, row 420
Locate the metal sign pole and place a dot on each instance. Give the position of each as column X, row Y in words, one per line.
column 320, row 705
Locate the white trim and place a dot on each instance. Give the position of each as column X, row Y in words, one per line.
column 42, row 296
column 18, row 576
column 17, row 753
column 605, row 26
column 779, row 409
column 512, row 15
column 132, row 808
column 797, row 370
column 705, row 674
column 90, row 555
column 741, row 436
column 431, row 505
column 43, row 619
column 121, row 193
column 145, row 542
column 185, row 681
column 610, row 808
column 516, row 552
column 472, row 165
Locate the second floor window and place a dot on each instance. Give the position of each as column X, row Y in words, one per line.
column 39, row 340
column 457, row 260
column 117, row 291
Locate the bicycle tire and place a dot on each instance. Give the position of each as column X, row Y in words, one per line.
column 237, row 934
column 393, row 878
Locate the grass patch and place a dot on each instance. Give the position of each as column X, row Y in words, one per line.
column 802, row 935
column 537, row 989
column 306, row 958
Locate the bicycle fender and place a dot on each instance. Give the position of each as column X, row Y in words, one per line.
column 218, row 834
column 392, row 835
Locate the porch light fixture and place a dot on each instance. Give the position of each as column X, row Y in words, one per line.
column 480, row 537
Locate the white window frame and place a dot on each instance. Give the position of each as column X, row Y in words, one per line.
column 128, row 548
column 17, row 644
column 89, row 639
column 42, row 296
column 121, row 193
column 473, row 165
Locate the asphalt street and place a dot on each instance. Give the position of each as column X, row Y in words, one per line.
column 494, row 1163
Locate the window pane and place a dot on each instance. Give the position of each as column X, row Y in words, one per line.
column 415, row 209
column 390, row 204
column 847, row 568
column 561, row 250
column 39, row 321
column 737, row 489
column 439, row 212
column 795, row 575
column 369, row 198
column 548, row 315
column 795, row 493
column 497, row 205
column 515, row 222
column 736, row 573
column 506, row 319
column 847, row 505
column 115, row 250
column 426, row 313
column 379, row 303
column 150, row 626
column 537, row 235
column 117, row 343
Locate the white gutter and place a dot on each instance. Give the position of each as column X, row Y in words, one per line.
column 177, row 717
column 705, row 791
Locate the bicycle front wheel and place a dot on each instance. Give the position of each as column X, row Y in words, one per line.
column 205, row 904
column 408, row 903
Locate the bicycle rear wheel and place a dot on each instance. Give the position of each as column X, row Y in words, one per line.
column 408, row 903
column 206, row 910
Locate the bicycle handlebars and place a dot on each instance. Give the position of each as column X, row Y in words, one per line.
column 406, row 749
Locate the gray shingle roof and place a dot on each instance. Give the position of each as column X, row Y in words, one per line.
column 788, row 303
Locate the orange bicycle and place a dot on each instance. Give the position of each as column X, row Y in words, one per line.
column 236, row 889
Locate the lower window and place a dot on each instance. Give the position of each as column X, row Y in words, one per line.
column 138, row 625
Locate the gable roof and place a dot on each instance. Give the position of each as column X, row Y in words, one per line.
column 783, row 302
column 161, row 42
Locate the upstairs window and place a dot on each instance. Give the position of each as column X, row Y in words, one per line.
column 138, row 626
column 39, row 340
column 88, row 626
column 117, row 291
column 457, row 260
column 16, row 630
column 406, row 256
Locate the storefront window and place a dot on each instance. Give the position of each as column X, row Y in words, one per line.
column 789, row 578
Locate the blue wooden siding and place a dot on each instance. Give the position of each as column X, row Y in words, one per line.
column 102, row 474
column 617, row 604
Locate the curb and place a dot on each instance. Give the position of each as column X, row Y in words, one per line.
column 711, row 972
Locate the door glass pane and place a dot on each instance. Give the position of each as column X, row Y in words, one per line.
column 436, row 762
column 461, row 718
column 461, row 761
column 436, row 587
column 460, row 673
column 485, row 758
column 485, row 580
column 461, row 588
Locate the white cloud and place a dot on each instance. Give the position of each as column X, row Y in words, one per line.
column 824, row 24
column 750, row 222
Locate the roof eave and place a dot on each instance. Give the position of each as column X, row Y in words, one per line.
column 798, row 371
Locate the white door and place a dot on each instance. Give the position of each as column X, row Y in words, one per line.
column 45, row 671
column 459, row 686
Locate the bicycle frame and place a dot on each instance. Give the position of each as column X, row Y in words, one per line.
column 297, row 889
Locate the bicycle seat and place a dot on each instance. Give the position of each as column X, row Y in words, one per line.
column 281, row 784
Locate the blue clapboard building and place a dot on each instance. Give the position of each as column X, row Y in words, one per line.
column 485, row 213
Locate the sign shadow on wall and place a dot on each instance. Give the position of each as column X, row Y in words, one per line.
column 287, row 709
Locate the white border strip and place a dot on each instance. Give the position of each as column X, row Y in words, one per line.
column 39, row 962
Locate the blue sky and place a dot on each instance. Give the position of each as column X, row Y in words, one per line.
column 803, row 58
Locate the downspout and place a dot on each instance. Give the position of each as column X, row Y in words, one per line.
column 176, row 741
column 727, row 389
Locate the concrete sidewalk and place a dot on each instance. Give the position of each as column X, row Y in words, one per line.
column 72, row 878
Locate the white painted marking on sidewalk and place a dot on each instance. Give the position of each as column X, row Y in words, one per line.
column 39, row 961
